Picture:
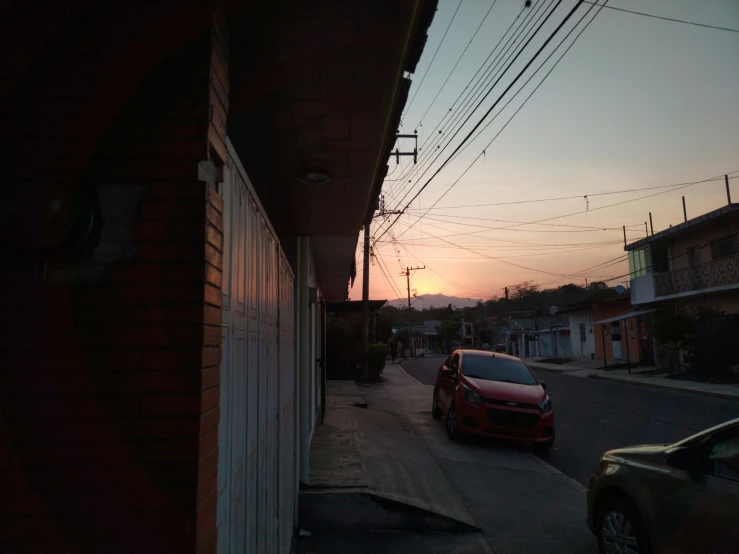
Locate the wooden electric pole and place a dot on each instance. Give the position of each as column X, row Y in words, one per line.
column 407, row 274
column 363, row 373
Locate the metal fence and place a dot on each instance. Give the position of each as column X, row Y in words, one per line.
column 716, row 273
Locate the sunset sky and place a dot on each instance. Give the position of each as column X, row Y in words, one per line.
column 637, row 102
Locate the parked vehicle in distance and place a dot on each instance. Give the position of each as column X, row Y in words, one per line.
column 485, row 346
column 493, row 395
column 674, row 498
column 500, row 347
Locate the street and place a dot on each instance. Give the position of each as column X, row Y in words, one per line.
column 593, row 416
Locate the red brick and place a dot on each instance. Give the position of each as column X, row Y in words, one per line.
column 182, row 335
column 214, row 236
column 214, row 217
column 122, row 405
column 186, row 190
column 210, row 377
column 208, row 442
column 208, row 465
column 167, row 211
column 206, row 543
column 171, row 404
column 153, row 272
column 211, row 356
column 22, row 529
column 212, row 315
column 87, row 477
column 177, row 314
column 210, row 399
column 160, row 428
column 191, row 251
column 13, row 481
column 51, row 406
column 127, row 359
column 215, row 199
column 168, row 451
column 69, row 454
column 150, row 381
column 207, row 488
column 213, row 256
column 213, row 295
column 155, row 293
column 165, row 358
column 214, row 276
column 61, row 430
column 184, row 229
column 212, row 335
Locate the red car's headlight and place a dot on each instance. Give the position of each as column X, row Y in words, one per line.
column 470, row 396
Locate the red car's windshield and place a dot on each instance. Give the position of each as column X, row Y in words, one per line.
column 497, row 369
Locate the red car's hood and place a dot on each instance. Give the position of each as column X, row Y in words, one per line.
column 499, row 390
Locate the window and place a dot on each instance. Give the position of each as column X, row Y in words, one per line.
column 582, row 332
column 660, row 260
column 725, row 247
column 454, row 366
column 639, row 263
column 490, row 368
column 721, row 457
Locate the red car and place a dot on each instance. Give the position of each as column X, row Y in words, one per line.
column 494, row 395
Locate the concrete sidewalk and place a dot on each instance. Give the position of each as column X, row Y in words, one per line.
column 401, row 453
column 637, row 377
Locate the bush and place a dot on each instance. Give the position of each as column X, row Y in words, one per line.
column 376, row 356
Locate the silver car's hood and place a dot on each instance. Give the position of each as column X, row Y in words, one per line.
column 646, row 452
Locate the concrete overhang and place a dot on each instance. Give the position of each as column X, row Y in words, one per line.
column 320, row 87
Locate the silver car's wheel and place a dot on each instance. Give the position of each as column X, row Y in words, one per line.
column 618, row 534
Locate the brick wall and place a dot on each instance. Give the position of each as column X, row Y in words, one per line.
column 109, row 390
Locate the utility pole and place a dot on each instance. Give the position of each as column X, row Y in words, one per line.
column 728, row 190
column 363, row 373
column 407, row 274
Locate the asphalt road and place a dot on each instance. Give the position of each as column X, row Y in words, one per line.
column 593, row 416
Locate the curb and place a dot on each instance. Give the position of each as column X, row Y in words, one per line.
column 400, row 367
column 665, row 387
column 371, row 511
column 549, row 467
column 534, row 365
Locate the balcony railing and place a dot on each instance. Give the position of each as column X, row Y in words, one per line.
column 716, row 273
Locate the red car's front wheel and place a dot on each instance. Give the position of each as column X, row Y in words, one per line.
column 451, row 424
column 435, row 410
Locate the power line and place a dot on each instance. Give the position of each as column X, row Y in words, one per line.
column 468, row 107
column 589, row 227
column 669, row 18
column 576, row 196
column 528, row 64
column 469, row 82
column 467, row 103
column 686, row 185
column 433, row 58
column 458, row 60
column 529, row 96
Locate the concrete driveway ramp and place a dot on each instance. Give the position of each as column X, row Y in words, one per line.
column 367, row 510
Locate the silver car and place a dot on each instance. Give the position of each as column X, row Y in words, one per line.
column 676, row 498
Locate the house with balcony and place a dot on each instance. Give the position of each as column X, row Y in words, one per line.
column 695, row 262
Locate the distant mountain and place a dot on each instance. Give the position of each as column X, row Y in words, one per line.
column 434, row 300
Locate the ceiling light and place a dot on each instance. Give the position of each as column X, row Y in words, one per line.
column 314, row 178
